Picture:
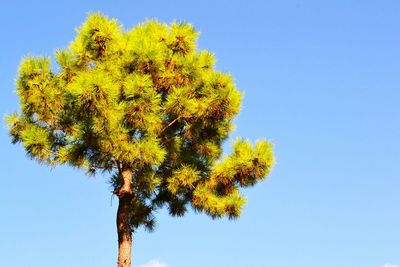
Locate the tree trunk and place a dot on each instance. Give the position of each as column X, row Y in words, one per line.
column 125, row 196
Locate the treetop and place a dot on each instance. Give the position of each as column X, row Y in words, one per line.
column 145, row 99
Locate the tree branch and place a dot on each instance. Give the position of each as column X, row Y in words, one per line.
column 170, row 124
column 103, row 167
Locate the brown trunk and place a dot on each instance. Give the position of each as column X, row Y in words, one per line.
column 125, row 196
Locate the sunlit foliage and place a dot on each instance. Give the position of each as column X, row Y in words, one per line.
column 145, row 98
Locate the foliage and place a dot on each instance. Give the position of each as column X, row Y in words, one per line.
column 145, row 98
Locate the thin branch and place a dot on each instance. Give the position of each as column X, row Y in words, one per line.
column 170, row 124
column 102, row 167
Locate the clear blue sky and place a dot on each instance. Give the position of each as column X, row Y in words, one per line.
column 321, row 80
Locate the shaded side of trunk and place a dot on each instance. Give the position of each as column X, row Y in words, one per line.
column 125, row 196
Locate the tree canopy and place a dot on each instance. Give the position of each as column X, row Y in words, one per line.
column 146, row 99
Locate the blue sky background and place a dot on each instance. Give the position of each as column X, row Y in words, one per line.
column 321, row 80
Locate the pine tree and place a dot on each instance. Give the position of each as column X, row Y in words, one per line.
column 146, row 106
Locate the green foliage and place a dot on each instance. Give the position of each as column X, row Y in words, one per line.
column 146, row 99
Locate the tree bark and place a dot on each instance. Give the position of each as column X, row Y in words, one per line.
column 125, row 196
